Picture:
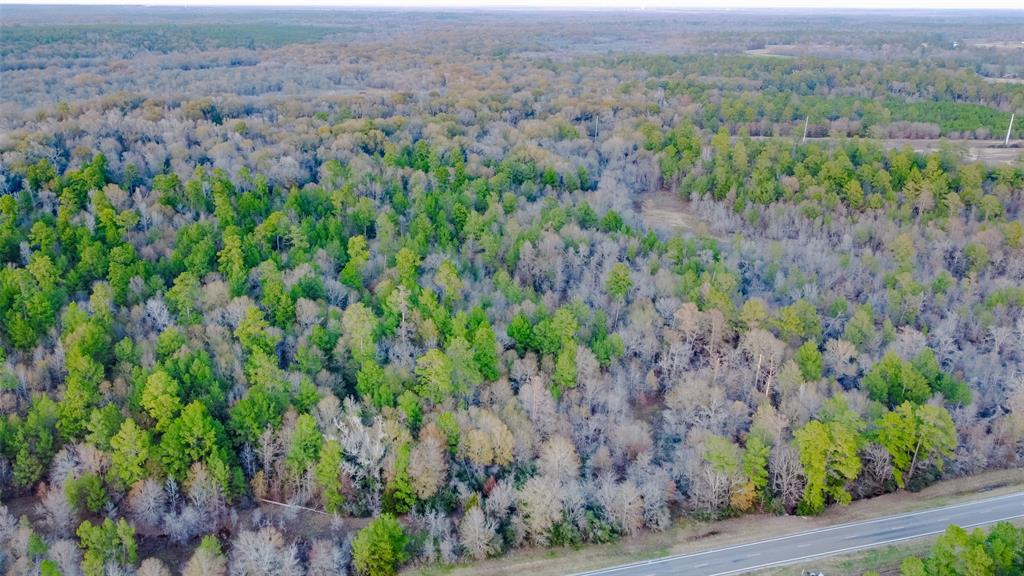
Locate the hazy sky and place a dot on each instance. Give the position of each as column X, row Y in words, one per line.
column 634, row 4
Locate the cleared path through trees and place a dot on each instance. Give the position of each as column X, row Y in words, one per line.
column 989, row 152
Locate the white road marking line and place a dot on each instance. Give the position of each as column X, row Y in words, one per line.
column 852, row 548
column 806, row 533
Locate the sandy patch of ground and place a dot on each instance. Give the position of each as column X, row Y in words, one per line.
column 1003, row 80
column 666, row 211
column 769, row 51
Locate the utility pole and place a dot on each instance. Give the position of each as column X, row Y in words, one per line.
column 806, row 121
column 1008, row 130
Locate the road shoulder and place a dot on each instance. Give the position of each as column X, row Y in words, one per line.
column 690, row 536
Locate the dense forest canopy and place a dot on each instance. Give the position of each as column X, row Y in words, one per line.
column 319, row 292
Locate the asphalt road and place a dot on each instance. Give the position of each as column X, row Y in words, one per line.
column 836, row 539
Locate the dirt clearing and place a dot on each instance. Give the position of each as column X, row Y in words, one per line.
column 990, row 152
column 666, row 211
column 991, row 80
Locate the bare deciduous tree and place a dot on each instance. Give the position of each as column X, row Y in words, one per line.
column 68, row 556
column 205, row 562
column 558, row 459
column 540, row 506
column 501, row 499
column 147, row 502
column 841, row 356
column 152, row 567
column 428, row 466
column 58, row 514
column 477, row 533
column 786, row 475
column 327, row 557
column 263, row 553
column 622, row 503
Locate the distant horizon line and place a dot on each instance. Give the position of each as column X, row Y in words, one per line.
column 866, row 6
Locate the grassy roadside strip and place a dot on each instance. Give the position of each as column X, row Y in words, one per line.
column 691, row 536
column 885, row 561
